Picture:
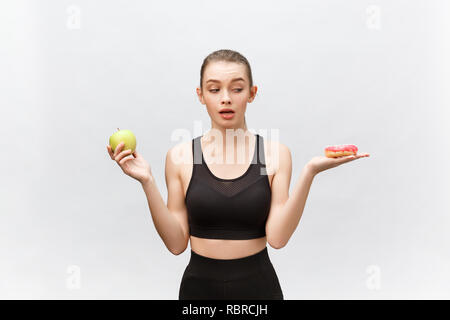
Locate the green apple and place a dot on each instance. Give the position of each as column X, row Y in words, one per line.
column 125, row 136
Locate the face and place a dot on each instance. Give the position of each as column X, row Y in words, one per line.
column 221, row 90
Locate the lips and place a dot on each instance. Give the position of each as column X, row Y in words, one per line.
column 227, row 113
column 226, row 110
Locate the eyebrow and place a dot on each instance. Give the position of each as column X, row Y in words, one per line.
column 235, row 79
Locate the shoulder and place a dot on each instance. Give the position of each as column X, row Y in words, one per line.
column 273, row 148
column 178, row 156
column 278, row 156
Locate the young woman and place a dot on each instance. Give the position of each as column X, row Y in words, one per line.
column 228, row 209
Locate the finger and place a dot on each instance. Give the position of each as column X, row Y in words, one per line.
column 110, row 152
column 122, row 154
column 121, row 162
column 118, row 148
column 362, row 155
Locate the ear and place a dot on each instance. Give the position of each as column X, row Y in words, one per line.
column 200, row 95
column 253, row 91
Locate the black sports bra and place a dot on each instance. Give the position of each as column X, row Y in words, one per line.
column 228, row 208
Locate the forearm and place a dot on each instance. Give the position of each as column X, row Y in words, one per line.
column 290, row 213
column 166, row 224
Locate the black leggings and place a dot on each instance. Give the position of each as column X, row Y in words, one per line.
column 251, row 277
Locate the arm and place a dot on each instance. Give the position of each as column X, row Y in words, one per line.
column 170, row 221
column 286, row 210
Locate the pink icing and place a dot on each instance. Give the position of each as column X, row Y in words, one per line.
column 344, row 147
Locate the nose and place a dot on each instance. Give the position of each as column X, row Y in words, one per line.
column 225, row 98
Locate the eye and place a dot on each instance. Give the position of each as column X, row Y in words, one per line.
column 215, row 90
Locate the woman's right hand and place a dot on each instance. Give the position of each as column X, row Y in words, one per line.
column 132, row 164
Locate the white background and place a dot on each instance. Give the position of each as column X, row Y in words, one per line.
column 370, row 73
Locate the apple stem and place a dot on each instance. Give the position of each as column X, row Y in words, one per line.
column 118, row 129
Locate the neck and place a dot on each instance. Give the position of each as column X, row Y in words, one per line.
column 217, row 132
column 229, row 135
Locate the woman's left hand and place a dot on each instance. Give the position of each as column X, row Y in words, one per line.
column 322, row 163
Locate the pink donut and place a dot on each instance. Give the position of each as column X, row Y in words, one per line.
column 340, row 150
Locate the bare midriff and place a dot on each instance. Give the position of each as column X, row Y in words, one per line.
column 227, row 249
